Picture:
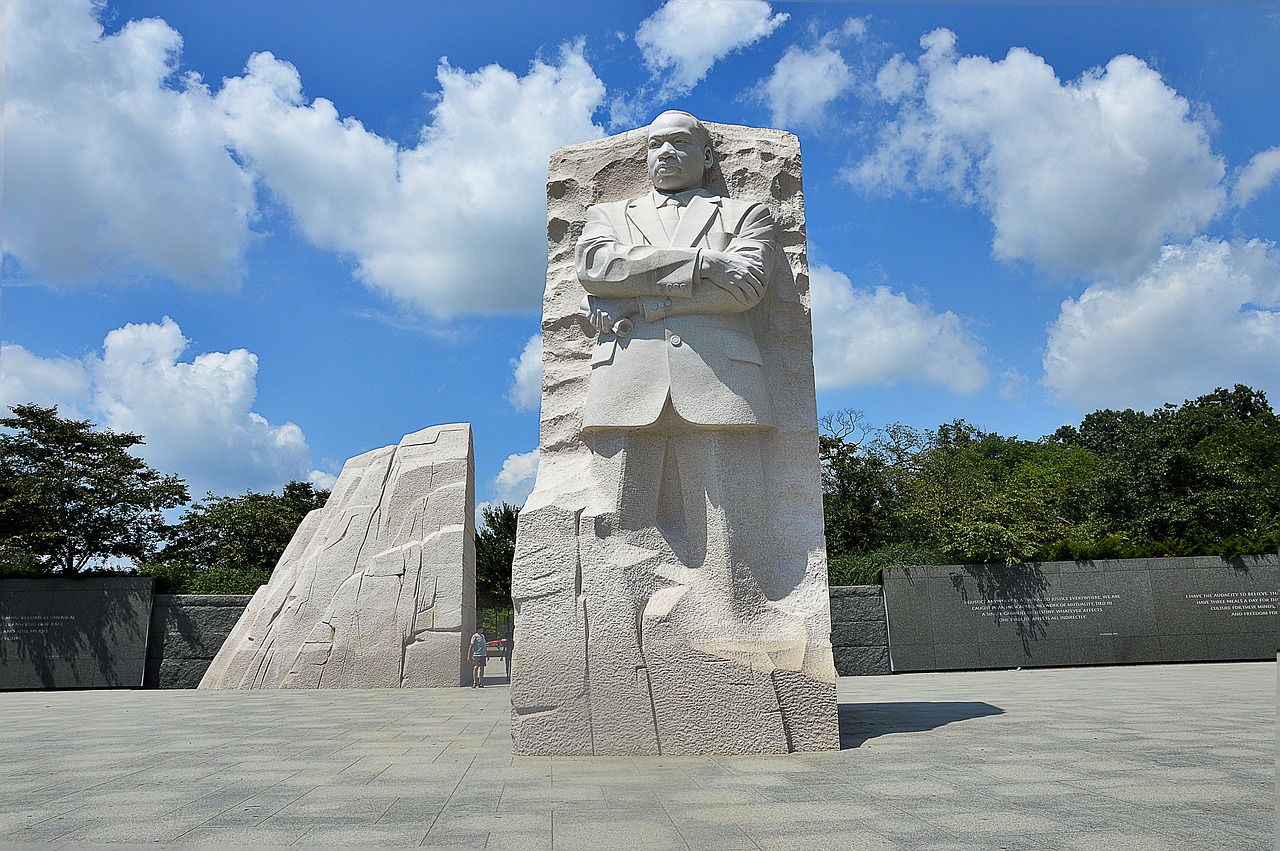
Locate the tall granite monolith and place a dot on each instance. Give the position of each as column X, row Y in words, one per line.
column 377, row 588
column 670, row 572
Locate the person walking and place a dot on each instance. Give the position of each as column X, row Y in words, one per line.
column 477, row 653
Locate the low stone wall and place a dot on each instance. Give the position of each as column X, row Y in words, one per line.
column 859, row 635
column 186, row 632
column 188, row 629
column 65, row 632
column 1072, row 613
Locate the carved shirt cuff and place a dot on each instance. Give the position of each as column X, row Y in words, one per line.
column 655, row 308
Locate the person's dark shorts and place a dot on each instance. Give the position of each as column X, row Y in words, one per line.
column 478, row 662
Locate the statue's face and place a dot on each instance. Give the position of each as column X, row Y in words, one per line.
column 676, row 157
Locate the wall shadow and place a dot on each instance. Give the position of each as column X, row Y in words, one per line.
column 862, row 721
column 1015, row 594
column 74, row 632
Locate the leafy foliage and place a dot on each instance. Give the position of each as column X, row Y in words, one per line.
column 495, row 551
column 865, row 569
column 230, row 544
column 1202, row 478
column 71, row 496
column 863, row 477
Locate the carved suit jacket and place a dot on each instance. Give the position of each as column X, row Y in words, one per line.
column 693, row 342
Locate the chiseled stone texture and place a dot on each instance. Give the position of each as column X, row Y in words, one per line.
column 376, row 589
column 623, row 649
column 187, row 631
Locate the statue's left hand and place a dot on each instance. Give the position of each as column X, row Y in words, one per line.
column 734, row 274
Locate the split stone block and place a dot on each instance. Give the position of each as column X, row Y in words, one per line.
column 377, row 588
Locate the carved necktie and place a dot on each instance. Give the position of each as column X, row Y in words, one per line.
column 669, row 215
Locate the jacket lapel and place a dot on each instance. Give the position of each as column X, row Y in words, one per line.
column 695, row 220
column 644, row 217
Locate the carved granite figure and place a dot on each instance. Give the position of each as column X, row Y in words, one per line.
column 687, row 265
column 377, row 588
column 670, row 574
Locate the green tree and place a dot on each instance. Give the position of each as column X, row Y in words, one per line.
column 1199, row 478
column 230, row 544
column 980, row 497
column 863, row 472
column 495, row 551
column 71, row 495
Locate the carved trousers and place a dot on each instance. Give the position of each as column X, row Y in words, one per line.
column 676, row 504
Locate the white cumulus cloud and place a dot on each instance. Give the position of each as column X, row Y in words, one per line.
column 114, row 163
column 196, row 416
column 1258, row 176
column 26, row 378
column 118, row 166
column 877, row 336
column 525, row 393
column 684, row 38
column 514, row 481
column 1090, row 176
column 1205, row 314
column 1014, row 386
column 806, row 80
column 455, row 224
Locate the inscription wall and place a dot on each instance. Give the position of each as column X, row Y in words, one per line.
column 74, row 633
column 966, row 617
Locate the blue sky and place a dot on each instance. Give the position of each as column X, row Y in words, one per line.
column 262, row 234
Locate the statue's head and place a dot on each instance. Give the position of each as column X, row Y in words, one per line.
column 679, row 151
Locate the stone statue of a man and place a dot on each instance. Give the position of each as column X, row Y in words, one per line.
column 675, row 271
column 669, row 577
column 677, row 391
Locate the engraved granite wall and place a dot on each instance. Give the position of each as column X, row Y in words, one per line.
column 964, row 617
column 74, row 632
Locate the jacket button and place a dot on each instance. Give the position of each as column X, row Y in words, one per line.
column 675, row 340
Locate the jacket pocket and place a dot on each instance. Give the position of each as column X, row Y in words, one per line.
column 603, row 351
column 741, row 347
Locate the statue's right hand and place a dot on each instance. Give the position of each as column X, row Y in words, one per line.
column 602, row 321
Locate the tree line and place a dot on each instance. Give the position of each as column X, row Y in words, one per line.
column 1200, row 478
column 74, row 499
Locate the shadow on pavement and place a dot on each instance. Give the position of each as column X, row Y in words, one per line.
column 862, row 721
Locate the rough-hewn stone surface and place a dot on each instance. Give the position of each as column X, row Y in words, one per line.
column 624, row 647
column 187, row 631
column 376, row 589
column 862, row 661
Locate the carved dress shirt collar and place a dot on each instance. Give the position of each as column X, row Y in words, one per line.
column 680, row 199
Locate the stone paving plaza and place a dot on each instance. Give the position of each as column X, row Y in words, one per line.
column 1145, row 757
